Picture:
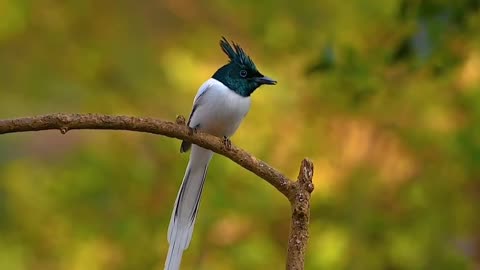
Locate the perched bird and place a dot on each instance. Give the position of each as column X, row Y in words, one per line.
column 219, row 107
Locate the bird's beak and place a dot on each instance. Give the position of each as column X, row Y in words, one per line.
column 265, row 80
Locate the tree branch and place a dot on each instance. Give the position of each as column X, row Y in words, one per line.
column 297, row 192
column 300, row 203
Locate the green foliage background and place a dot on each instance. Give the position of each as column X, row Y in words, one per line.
column 384, row 96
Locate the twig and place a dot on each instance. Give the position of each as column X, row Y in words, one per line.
column 297, row 192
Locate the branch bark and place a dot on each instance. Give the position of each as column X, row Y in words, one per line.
column 297, row 192
column 300, row 204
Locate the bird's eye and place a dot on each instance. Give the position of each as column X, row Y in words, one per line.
column 243, row 73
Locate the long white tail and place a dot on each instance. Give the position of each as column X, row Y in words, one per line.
column 186, row 206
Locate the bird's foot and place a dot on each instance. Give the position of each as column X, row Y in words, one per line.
column 192, row 130
column 227, row 142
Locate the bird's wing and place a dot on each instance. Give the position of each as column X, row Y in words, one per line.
column 202, row 90
column 197, row 101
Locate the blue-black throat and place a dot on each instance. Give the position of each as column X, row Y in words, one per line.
column 240, row 74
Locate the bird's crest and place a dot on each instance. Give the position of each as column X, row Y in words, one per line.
column 236, row 54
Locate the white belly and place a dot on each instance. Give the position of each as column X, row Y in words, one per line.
column 220, row 110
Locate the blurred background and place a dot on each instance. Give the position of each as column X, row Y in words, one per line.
column 383, row 96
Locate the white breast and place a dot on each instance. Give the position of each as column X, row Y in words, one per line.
column 220, row 110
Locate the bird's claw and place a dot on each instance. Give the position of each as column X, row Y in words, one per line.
column 227, row 142
column 192, row 130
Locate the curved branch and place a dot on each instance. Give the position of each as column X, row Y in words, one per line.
column 66, row 122
column 297, row 192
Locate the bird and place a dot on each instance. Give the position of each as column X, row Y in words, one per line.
column 219, row 107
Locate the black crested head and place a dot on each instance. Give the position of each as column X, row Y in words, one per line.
column 236, row 54
column 240, row 74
